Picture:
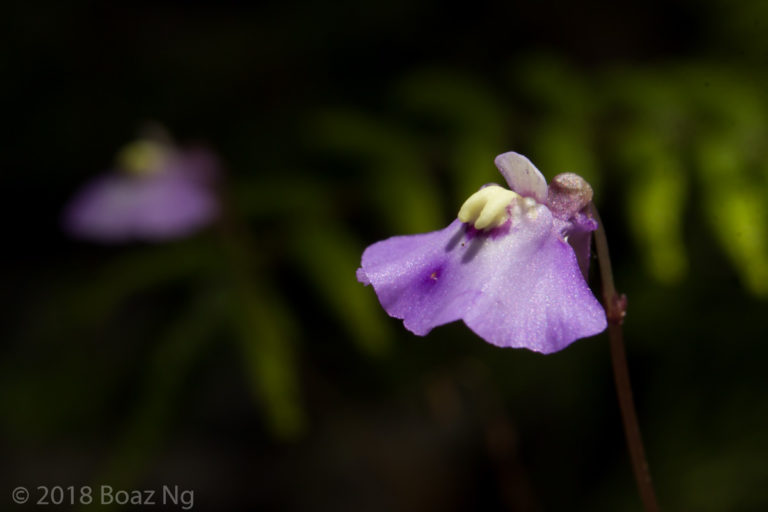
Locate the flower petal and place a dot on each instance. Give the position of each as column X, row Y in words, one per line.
column 518, row 285
column 540, row 302
column 173, row 206
column 577, row 231
column 416, row 278
column 522, row 176
column 118, row 208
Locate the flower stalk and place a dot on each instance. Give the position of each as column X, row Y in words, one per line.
column 615, row 309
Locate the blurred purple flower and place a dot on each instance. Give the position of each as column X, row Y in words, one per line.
column 156, row 192
column 512, row 266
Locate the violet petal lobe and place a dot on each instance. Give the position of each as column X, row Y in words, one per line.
column 175, row 206
column 577, row 231
column 522, row 176
column 119, row 207
column 518, row 285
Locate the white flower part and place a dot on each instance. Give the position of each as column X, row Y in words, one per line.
column 522, row 176
column 492, row 206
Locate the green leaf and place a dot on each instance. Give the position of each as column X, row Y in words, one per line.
column 329, row 258
column 397, row 179
column 174, row 355
column 561, row 138
column 737, row 210
column 473, row 117
column 95, row 296
column 656, row 199
column 565, row 146
column 554, row 85
column 267, row 333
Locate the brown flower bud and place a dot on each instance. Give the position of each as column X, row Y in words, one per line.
column 567, row 194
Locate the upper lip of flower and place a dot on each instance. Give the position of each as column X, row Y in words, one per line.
column 522, row 176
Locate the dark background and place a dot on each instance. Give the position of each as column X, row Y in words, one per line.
column 250, row 366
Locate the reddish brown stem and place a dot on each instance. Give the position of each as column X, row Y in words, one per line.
column 615, row 309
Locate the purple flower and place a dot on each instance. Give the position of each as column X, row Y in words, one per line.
column 157, row 192
column 512, row 266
